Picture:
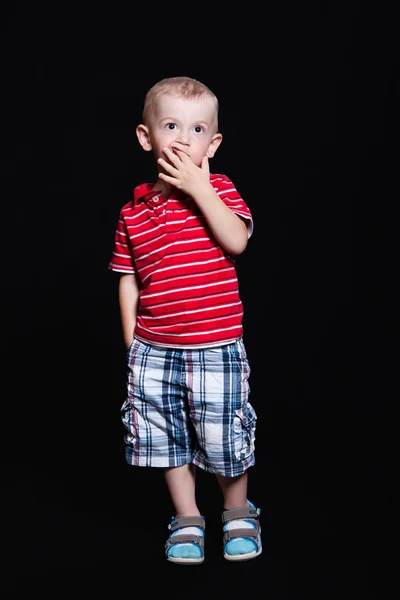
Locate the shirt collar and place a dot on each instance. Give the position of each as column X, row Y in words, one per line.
column 145, row 192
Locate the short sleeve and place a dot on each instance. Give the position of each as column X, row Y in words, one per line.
column 230, row 195
column 121, row 259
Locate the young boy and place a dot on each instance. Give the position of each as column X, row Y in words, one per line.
column 187, row 390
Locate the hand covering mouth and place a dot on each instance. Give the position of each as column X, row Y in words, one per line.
column 173, row 148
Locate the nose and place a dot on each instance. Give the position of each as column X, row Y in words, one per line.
column 183, row 137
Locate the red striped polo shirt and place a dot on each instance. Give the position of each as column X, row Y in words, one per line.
column 189, row 293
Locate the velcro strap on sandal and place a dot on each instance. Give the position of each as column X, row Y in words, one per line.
column 240, row 513
column 186, row 522
column 239, row 533
column 184, row 538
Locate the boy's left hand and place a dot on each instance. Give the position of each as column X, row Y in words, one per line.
column 182, row 173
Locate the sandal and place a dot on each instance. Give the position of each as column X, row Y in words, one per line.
column 186, row 547
column 241, row 542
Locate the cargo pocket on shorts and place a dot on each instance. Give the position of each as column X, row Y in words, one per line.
column 127, row 419
column 244, row 426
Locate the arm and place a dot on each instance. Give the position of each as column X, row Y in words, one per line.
column 228, row 228
column 128, row 293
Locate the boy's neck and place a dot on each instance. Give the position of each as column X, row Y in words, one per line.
column 163, row 187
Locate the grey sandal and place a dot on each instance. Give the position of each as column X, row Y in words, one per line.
column 197, row 541
column 251, row 534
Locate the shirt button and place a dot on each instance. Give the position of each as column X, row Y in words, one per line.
column 155, row 198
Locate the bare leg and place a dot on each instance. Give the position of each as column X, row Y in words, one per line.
column 234, row 490
column 238, row 547
column 181, row 484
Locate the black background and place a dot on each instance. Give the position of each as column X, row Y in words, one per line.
column 310, row 117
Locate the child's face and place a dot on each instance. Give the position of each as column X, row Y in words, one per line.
column 184, row 124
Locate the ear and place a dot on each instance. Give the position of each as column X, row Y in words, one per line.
column 214, row 145
column 143, row 136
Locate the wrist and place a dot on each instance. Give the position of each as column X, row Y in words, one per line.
column 204, row 190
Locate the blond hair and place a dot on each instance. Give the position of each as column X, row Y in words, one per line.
column 185, row 87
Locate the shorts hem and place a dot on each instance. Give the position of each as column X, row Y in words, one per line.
column 145, row 461
column 233, row 470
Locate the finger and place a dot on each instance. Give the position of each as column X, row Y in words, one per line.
column 181, row 154
column 205, row 165
column 167, row 166
column 167, row 178
column 171, row 155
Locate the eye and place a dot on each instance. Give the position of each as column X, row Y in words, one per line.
column 199, row 129
column 170, row 126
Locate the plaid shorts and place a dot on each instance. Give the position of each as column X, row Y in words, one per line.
column 189, row 406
